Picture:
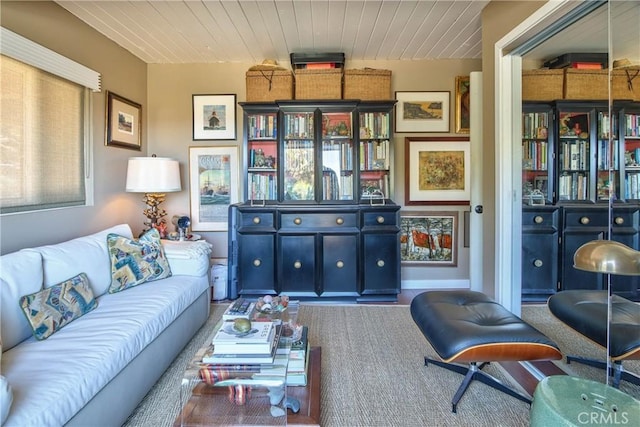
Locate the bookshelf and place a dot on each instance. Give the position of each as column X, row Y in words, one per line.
column 573, row 152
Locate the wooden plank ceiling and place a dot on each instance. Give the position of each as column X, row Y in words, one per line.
column 210, row 31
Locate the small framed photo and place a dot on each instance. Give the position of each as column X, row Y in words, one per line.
column 123, row 122
column 429, row 238
column 422, row 111
column 213, row 186
column 463, row 97
column 437, row 171
column 214, row 117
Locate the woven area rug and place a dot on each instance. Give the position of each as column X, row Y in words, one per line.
column 373, row 374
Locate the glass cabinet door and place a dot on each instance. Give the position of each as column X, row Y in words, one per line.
column 299, row 156
column 262, row 152
column 535, row 157
column 337, row 156
column 608, row 165
column 631, row 129
column 375, row 131
column 574, row 156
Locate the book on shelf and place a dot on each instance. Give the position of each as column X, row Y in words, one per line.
column 240, row 308
column 263, row 341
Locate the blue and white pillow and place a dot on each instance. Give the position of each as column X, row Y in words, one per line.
column 136, row 261
column 50, row 309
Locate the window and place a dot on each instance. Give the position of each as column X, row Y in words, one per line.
column 41, row 139
column 45, row 128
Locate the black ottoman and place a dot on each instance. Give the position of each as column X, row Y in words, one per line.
column 469, row 327
column 587, row 312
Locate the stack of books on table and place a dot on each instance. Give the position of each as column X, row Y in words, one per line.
column 297, row 368
column 259, row 345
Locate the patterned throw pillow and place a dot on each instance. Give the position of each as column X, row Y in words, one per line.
column 50, row 309
column 136, row 261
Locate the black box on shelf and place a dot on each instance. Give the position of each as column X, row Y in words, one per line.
column 566, row 60
column 301, row 60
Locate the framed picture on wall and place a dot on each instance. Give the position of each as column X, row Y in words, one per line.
column 422, row 111
column 214, row 117
column 429, row 238
column 463, row 97
column 213, row 186
column 437, row 171
column 123, row 127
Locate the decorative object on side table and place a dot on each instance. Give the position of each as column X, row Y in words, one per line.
column 153, row 176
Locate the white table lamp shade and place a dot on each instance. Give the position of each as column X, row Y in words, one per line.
column 153, row 175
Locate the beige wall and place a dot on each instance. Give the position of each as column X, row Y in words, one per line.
column 50, row 25
column 170, row 88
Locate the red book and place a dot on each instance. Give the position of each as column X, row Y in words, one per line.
column 587, row 65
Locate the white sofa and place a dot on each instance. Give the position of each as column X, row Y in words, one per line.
column 96, row 369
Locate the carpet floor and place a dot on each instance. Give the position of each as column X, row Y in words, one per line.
column 373, row 372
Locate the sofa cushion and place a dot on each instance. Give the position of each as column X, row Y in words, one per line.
column 86, row 254
column 136, row 261
column 20, row 274
column 6, row 397
column 50, row 309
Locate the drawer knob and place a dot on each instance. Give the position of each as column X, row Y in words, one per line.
column 619, row 220
column 257, row 262
column 380, row 263
column 297, row 264
column 297, row 221
column 256, row 220
column 339, row 221
column 585, row 220
column 538, row 219
column 380, row 219
column 538, row 263
column 340, row 264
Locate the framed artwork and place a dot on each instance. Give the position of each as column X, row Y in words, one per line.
column 422, row 111
column 463, row 95
column 214, row 117
column 437, row 170
column 123, row 122
column 429, row 238
column 213, row 186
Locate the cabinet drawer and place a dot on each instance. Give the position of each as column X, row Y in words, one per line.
column 293, row 221
column 378, row 219
column 586, row 218
column 540, row 219
column 256, row 219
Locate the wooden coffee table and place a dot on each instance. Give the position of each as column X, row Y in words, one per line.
column 208, row 400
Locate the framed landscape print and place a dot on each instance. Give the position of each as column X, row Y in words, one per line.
column 463, row 97
column 437, row 171
column 429, row 238
column 422, row 112
column 213, row 186
column 123, row 122
column 214, row 117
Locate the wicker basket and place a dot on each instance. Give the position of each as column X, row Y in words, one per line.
column 542, row 85
column 621, row 89
column 367, row 84
column 319, row 83
column 586, row 84
column 269, row 85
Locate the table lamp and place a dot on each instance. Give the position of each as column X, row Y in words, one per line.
column 153, row 176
